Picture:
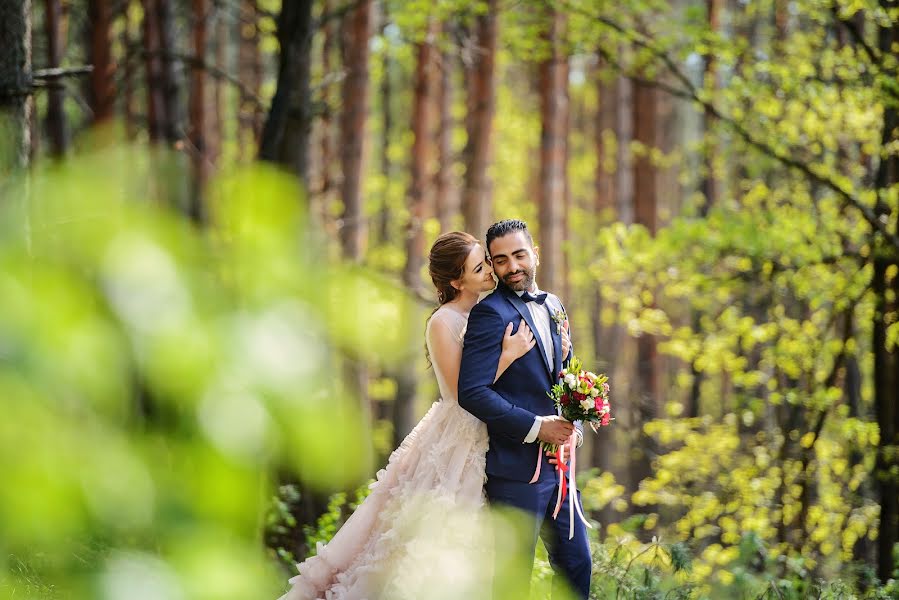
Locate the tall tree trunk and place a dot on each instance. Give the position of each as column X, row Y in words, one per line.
column 286, row 136
column 170, row 85
column 444, row 206
column 101, row 83
column 56, row 118
column 645, row 386
column 554, row 108
column 15, row 85
column 386, row 93
column 250, row 69
column 886, row 360
column 216, row 137
column 707, row 185
column 708, row 189
column 326, row 122
column 420, row 160
column 886, row 381
column 128, row 38
column 355, row 33
column 197, row 109
column 605, row 339
column 156, row 107
column 478, row 153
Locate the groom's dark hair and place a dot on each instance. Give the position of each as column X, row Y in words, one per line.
column 504, row 228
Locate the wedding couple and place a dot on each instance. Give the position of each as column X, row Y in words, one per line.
column 421, row 533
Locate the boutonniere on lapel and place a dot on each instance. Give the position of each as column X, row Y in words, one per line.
column 559, row 317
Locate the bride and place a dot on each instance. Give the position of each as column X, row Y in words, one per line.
column 420, row 532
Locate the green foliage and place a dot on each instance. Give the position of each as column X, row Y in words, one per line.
column 153, row 374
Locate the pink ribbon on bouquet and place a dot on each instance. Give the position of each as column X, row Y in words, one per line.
column 574, row 505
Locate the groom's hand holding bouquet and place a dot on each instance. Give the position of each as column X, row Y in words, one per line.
column 583, row 396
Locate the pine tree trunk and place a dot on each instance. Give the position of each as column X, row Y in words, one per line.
column 101, row 82
column 605, row 339
column 197, row 110
column 15, row 86
column 286, row 136
column 56, row 118
column 326, row 122
column 554, row 108
column 128, row 37
column 386, row 95
column 886, row 360
column 170, row 84
column 156, row 107
column 216, row 137
column 250, row 71
column 444, row 206
column 420, row 161
column 355, row 33
column 645, row 386
column 478, row 153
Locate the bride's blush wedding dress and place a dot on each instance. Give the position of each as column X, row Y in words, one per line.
column 421, row 533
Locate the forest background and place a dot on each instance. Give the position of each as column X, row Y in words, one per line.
column 215, row 219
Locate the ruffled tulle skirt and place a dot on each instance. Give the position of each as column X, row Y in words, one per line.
column 421, row 533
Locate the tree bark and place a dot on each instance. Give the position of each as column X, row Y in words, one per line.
column 215, row 141
column 326, row 121
column 478, row 153
column 886, row 360
column 707, row 185
column 554, row 108
column 645, row 386
column 355, row 33
column 286, row 136
column 886, row 380
column 250, row 69
column 197, row 110
column 444, row 206
column 56, row 118
column 101, row 82
column 386, row 94
column 15, row 85
column 156, row 107
column 605, row 339
column 420, row 160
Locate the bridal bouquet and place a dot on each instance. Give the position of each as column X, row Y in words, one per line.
column 582, row 396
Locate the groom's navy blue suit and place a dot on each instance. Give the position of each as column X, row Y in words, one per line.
column 509, row 407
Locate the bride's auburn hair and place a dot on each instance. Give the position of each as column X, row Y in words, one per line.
column 446, row 261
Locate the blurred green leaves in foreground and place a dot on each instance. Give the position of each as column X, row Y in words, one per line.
column 154, row 374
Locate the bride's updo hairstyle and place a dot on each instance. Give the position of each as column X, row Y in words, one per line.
column 447, row 260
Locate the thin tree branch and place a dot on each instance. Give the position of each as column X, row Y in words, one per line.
column 873, row 55
column 213, row 70
column 691, row 93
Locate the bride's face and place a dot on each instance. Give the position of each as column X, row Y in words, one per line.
column 477, row 274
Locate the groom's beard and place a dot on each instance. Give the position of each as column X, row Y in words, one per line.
column 522, row 285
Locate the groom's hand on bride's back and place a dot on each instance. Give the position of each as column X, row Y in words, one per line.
column 555, row 430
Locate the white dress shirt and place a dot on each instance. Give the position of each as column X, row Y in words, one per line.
column 540, row 315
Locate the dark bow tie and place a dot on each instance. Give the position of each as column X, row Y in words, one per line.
column 539, row 298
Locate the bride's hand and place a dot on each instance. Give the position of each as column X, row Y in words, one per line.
column 517, row 345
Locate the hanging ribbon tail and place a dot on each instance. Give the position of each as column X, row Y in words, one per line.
column 539, row 463
column 562, row 467
column 574, row 503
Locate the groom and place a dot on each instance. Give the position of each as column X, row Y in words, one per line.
column 516, row 408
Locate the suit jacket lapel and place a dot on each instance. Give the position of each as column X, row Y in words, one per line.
column 522, row 309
